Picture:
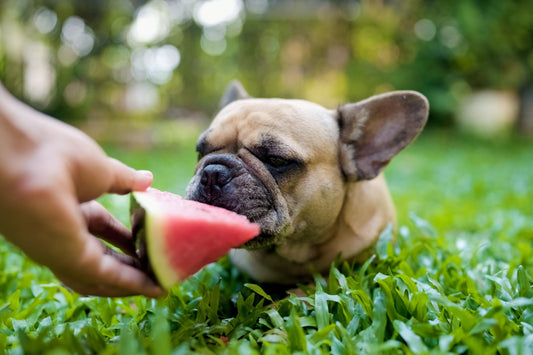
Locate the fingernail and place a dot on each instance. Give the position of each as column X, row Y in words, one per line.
column 146, row 173
column 144, row 179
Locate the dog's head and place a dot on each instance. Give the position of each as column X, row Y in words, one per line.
column 285, row 164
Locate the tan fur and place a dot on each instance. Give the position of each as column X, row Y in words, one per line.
column 366, row 212
column 320, row 212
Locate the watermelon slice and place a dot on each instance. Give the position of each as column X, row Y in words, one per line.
column 177, row 237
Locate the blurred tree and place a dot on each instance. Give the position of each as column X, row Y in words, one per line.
column 471, row 45
column 162, row 58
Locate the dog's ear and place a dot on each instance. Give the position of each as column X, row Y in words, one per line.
column 373, row 131
column 234, row 91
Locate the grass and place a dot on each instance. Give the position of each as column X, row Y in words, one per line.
column 457, row 280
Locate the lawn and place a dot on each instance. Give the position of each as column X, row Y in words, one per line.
column 457, row 279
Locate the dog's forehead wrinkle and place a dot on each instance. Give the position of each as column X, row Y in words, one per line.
column 280, row 116
column 291, row 136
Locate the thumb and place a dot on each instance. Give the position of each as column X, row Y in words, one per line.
column 126, row 179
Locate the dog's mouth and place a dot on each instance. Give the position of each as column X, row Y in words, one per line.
column 226, row 182
column 261, row 241
column 267, row 220
column 264, row 215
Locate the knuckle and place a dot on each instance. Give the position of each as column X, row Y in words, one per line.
column 89, row 259
column 109, row 271
column 94, row 213
column 29, row 187
column 35, row 181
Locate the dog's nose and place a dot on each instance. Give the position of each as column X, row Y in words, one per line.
column 214, row 177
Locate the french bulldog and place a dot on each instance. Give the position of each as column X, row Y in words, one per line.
column 311, row 177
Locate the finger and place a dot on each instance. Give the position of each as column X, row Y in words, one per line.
column 102, row 290
column 104, row 225
column 126, row 179
column 128, row 278
column 148, row 288
column 106, row 272
column 123, row 258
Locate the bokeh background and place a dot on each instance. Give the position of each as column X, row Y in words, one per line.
column 145, row 73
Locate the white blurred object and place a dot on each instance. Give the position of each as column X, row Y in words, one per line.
column 39, row 74
column 214, row 12
column 78, row 36
column 140, row 97
column 151, row 24
column 488, row 113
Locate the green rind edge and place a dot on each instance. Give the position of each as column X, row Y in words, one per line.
column 155, row 236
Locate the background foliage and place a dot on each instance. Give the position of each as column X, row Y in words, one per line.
column 105, row 60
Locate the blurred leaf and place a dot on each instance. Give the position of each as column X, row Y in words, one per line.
column 160, row 334
column 257, row 289
column 296, row 335
column 414, row 341
column 385, row 242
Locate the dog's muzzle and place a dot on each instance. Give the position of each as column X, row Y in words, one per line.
column 219, row 182
column 212, row 181
column 223, row 180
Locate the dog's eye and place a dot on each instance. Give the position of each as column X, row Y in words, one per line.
column 278, row 165
column 276, row 161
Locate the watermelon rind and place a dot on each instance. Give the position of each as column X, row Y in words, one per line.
column 154, row 233
column 175, row 238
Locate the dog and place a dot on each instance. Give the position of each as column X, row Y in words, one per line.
column 311, row 177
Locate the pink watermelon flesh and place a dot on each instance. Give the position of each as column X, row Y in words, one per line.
column 182, row 236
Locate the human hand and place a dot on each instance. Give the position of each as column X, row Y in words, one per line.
column 50, row 174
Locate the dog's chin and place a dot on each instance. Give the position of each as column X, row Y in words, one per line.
column 263, row 240
column 250, row 199
column 268, row 222
column 269, row 229
column 266, row 217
